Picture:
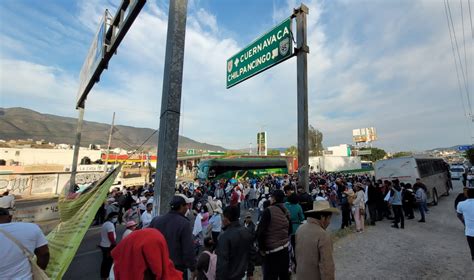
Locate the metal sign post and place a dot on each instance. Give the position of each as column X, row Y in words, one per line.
column 269, row 50
column 302, row 51
column 165, row 178
column 108, row 145
column 104, row 45
column 77, row 144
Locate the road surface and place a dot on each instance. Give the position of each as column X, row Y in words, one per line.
column 436, row 249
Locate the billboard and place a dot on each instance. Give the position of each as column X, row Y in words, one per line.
column 363, row 135
column 92, row 62
column 262, row 143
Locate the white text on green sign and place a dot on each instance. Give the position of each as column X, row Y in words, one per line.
column 265, row 52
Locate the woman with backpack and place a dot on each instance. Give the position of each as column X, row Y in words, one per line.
column 207, row 260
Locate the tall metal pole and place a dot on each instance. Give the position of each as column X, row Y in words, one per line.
column 302, row 83
column 110, row 141
column 77, row 145
column 165, row 178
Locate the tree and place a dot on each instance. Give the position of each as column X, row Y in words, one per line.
column 376, row 154
column 291, row 151
column 273, row 152
column 470, row 155
column 315, row 141
column 234, row 153
column 402, row 154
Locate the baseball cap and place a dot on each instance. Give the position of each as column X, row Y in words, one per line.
column 130, row 224
column 180, row 199
column 279, row 195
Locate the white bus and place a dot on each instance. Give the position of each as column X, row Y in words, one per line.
column 433, row 172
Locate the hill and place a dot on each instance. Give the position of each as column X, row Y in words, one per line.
column 21, row 123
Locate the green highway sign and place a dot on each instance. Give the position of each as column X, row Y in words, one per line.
column 263, row 53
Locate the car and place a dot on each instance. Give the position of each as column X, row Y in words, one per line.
column 457, row 171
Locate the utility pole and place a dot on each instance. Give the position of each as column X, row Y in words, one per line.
column 108, row 145
column 302, row 51
column 77, row 144
column 165, row 178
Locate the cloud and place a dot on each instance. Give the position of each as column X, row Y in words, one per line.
column 387, row 65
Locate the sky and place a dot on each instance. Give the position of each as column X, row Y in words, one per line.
column 372, row 63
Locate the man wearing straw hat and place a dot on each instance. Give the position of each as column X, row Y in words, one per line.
column 314, row 245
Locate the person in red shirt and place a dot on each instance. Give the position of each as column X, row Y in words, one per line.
column 144, row 255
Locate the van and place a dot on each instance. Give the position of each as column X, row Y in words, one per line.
column 457, row 171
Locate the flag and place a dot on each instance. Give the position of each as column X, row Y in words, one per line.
column 76, row 216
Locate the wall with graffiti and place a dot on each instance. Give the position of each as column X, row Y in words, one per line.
column 40, row 184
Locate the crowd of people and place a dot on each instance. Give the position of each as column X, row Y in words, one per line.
column 226, row 228
column 222, row 229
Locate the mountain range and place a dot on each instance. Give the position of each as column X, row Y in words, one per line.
column 21, row 123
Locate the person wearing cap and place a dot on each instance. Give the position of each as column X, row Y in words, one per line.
column 15, row 264
column 249, row 224
column 176, row 229
column 215, row 223
column 465, row 212
column 131, row 226
column 314, row 251
column 273, row 235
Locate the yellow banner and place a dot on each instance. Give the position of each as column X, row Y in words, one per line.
column 76, row 216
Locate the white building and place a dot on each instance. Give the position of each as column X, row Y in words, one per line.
column 29, row 156
column 334, row 163
column 342, row 150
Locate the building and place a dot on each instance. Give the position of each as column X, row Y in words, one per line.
column 342, row 150
column 29, row 156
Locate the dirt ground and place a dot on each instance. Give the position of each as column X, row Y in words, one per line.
column 436, row 249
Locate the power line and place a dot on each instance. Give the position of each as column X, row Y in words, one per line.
column 470, row 18
column 144, row 142
column 465, row 55
column 460, row 61
column 456, row 66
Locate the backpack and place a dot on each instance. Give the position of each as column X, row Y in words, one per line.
column 351, row 199
column 211, row 270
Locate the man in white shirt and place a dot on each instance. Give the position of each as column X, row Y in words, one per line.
column 465, row 213
column 14, row 264
column 7, row 200
column 146, row 216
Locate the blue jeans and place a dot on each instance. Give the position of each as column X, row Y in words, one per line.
column 423, row 208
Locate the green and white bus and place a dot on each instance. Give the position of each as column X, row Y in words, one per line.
column 237, row 168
